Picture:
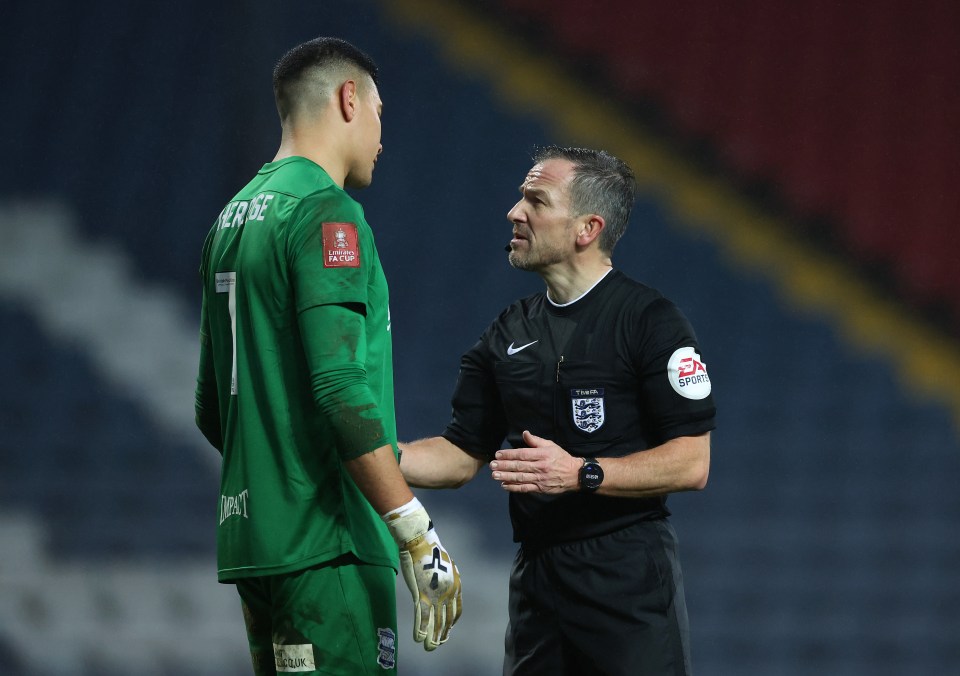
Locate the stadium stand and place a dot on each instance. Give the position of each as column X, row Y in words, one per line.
column 826, row 540
column 847, row 109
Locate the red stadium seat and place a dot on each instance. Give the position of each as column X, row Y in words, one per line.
column 852, row 111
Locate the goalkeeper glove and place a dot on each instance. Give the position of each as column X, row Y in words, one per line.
column 430, row 574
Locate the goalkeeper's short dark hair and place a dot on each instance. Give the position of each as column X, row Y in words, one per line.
column 323, row 54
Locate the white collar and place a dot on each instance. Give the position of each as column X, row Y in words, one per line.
column 582, row 294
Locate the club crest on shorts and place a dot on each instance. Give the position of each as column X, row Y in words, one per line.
column 588, row 411
column 387, row 648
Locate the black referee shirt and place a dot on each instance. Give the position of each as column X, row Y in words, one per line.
column 615, row 372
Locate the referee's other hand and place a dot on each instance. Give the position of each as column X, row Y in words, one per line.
column 542, row 467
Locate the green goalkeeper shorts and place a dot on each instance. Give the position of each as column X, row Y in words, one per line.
column 337, row 618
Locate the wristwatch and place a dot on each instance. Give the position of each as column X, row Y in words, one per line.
column 591, row 475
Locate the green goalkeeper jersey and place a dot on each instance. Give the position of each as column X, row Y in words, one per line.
column 285, row 255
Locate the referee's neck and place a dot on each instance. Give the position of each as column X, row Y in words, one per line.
column 565, row 286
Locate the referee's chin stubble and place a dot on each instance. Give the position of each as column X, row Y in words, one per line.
column 512, row 257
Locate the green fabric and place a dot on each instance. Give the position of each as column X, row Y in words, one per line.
column 321, row 616
column 296, row 326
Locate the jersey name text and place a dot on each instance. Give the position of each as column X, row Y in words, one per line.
column 237, row 213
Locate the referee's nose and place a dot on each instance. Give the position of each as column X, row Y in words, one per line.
column 515, row 214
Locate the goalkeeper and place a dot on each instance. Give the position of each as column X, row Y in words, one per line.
column 295, row 389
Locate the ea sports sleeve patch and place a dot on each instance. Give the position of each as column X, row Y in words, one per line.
column 688, row 374
column 341, row 247
column 675, row 389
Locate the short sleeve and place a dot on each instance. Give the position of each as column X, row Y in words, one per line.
column 478, row 424
column 675, row 387
column 329, row 248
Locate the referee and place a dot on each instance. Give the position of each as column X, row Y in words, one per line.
column 599, row 388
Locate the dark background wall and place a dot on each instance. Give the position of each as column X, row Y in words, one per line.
column 826, row 539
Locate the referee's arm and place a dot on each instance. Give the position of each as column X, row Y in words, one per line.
column 680, row 464
column 437, row 463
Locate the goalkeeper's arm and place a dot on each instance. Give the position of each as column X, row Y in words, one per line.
column 430, row 573
column 334, row 344
column 207, row 401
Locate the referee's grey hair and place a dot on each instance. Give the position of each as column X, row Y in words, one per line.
column 602, row 184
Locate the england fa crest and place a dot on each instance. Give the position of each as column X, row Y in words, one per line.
column 588, row 411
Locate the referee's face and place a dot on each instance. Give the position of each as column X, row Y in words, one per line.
column 543, row 232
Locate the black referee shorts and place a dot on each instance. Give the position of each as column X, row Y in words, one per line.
column 612, row 605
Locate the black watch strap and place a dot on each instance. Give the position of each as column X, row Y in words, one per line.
column 591, row 475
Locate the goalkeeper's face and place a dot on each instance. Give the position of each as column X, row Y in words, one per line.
column 367, row 137
column 543, row 229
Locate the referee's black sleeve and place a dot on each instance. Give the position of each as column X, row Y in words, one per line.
column 669, row 412
column 478, row 424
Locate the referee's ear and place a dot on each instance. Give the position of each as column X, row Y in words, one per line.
column 590, row 228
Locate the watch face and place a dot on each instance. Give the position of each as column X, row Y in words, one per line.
column 591, row 476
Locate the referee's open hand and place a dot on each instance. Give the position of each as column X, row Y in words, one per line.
column 542, row 467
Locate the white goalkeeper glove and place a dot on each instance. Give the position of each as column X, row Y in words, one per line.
column 430, row 574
